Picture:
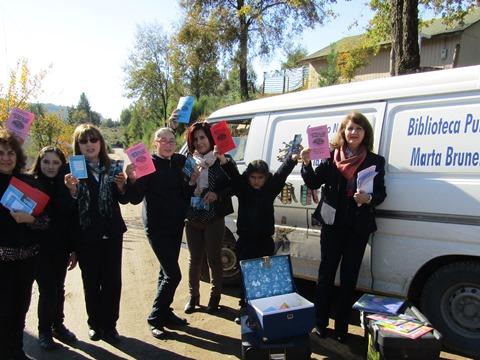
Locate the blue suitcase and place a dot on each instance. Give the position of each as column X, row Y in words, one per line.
column 292, row 348
column 273, row 304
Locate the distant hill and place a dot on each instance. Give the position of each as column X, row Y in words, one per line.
column 60, row 110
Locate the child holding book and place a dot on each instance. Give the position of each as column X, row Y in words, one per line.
column 256, row 190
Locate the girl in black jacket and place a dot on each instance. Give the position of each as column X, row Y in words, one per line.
column 18, row 255
column 56, row 253
column 346, row 237
column 101, row 227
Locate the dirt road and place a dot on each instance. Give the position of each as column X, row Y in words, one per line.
column 207, row 337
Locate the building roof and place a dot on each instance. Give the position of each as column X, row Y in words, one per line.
column 431, row 28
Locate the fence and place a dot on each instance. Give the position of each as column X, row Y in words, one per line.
column 282, row 81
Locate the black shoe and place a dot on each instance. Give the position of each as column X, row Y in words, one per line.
column 61, row 333
column 46, row 342
column 111, row 336
column 213, row 304
column 175, row 320
column 94, row 334
column 158, row 332
column 320, row 331
column 192, row 302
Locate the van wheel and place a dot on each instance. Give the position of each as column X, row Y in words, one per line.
column 231, row 269
column 451, row 302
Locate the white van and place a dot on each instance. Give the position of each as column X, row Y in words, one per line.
column 427, row 247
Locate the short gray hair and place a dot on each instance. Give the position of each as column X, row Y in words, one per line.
column 163, row 131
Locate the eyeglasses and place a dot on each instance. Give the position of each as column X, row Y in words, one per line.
column 92, row 140
column 165, row 141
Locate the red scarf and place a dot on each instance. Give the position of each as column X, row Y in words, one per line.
column 348, row 166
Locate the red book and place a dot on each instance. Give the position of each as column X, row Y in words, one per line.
column 222, row 137
column 20, row 196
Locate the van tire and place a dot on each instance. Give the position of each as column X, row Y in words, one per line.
column 231, row 269
column 451, row 301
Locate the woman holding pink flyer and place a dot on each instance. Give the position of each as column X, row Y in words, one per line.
column 100, row 232
column 347, row 214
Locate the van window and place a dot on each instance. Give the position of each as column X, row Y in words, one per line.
column 239, row 130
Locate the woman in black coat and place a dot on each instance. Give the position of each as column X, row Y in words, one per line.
column 345, row 238
column 18, row 255
column 56, row 247
column 100, row 232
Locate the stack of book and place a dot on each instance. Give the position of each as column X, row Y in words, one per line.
column 384, row 312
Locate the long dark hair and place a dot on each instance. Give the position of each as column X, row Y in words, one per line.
column 86, row 131
column 203, row 125
column 359, row 119
column 10, row 140
column 36, row 170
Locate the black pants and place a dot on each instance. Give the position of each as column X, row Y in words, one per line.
column 338, row 244
column 101, row 263
column 16, row 280
column 251, row 247
column 167, row 249
column 51, row 274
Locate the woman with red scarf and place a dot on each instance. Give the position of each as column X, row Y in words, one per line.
column 350, row 219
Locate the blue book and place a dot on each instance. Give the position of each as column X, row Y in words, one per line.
column 116, row 167
column 78, row 166
column 379, row 304
column 189, row 166
column 185, row 106
column 15, row 200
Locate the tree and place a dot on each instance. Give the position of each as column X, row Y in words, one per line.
column 330, row 76
column 50, row 129
column 83, row 113
column 22, row 88
column 294, row 55
column 149, row 70
column 398, row 21
column 254, row 27
column 195, row 58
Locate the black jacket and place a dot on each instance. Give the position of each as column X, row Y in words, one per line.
column 100, row 225
column 361, row 219
column 59, row 214
column 165, row 194
column 255, row 207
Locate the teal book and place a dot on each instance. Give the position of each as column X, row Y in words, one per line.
column 379, row 304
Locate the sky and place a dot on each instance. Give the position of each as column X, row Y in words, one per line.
column 85, row 44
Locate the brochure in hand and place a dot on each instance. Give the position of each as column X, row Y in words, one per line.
column 318, row 142
column 19, row 122
column 141, row 159
column 19, row 196
column 116, row 167
column 78, row 166
column 189, row 166
column 379, row 304
column 222, row 137
column 185, row 106
column 295, row 145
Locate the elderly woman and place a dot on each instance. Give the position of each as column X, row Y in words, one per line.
column 166, row 196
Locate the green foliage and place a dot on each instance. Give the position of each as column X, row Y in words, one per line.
column 293, row 55
column 83, row 113
column 330, row 75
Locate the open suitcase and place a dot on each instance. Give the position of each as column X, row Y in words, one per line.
column 384, row 345
column 292, row 348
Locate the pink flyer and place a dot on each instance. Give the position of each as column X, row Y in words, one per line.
column 19, row 122
column 318, row 142
column 141, row 159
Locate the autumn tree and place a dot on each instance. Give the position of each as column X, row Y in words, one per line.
column 195, row 58
column 251, row 27
column 22, row 88
column 149, row 70
column 293, row 54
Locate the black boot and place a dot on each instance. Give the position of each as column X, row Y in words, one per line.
column 213, row 304
column 192, row 302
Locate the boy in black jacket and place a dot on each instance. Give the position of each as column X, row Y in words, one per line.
column 256, row 190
